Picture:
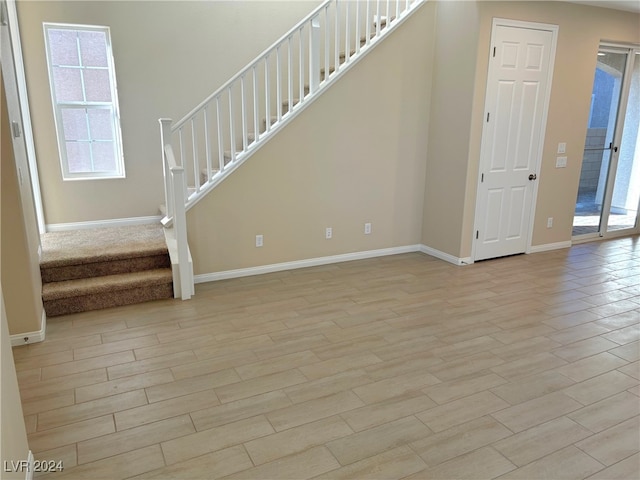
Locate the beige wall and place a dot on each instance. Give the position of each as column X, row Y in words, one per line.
column 450, row 125
column 168, row 57
column 20, row 271
column 356, row 155
column 581, row 28
column 13, row 435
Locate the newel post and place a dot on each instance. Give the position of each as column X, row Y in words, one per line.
column 180, row 226
column 165, row 137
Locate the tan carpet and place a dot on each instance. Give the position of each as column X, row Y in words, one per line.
column 101, row 244
column 104, row 267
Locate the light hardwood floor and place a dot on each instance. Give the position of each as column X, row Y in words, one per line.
column 396, row 367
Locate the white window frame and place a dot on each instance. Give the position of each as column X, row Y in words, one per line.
column 119, row 172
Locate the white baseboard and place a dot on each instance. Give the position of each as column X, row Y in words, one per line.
column 116, row 222
column 550, row 246
column 31, row 466
column 445, row 256
column 311, row 262
column 31, row 337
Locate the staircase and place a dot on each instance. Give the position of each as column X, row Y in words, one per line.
column 228, row 127
column 92, row 269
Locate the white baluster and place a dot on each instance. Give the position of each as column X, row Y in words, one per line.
column 347, row 33
column 194, row 153
column 232, row 130
column 300, row 65
column 278, row 84
column 182, row 152
column 220, row 136
column 357, row 27
column 327, row 43
column 267, row 92
column 165, row 139
column 290, row 73
column 367, row 23
column 243, row 103
column 255, row 104
column 207, row 142
column 337, row 39
column 388, row 15
column 314, row 54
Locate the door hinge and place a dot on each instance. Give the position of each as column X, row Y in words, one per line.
column 15, row 126
column 494, row 52
column 477, row 233
column 487, row 116
column 482, row 178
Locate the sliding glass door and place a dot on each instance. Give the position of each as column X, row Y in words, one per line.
column 609, row 191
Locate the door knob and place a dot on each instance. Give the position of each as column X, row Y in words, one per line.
column 533, row 176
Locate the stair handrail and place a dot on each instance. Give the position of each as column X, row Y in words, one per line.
column 208, row 124
column 250, row 65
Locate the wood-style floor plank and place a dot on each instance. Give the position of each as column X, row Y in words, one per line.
column 389, row 368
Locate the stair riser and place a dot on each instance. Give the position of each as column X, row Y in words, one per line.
column 66, row 306
column 99, row 269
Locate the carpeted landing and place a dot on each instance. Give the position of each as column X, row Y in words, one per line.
column 99, row 268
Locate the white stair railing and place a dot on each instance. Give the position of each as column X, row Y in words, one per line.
column 232, row 123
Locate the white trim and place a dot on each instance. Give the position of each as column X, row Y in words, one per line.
column 31, row 337
column 115, row 222
column 311, row 262
column 30, row 466
column 23, row 99
column 445, row 256
column 550, row 246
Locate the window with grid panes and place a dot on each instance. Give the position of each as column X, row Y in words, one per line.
column 85, row 103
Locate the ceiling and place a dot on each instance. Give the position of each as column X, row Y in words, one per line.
column 628, row 5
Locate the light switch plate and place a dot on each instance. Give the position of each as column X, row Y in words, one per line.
column 561, row 162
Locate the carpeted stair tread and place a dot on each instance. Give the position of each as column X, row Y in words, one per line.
column 101, row 244
column 105, row 284
column 102, row 268
column 84, row 303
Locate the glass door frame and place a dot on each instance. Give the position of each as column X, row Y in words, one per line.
column 633, row 55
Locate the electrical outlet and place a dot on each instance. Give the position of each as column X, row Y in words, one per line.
column 259, row 240
column 328, row 233
column 549, row 222
column 562, row 147
column 367, row 229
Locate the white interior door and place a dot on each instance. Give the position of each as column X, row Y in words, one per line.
column 518, row 84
